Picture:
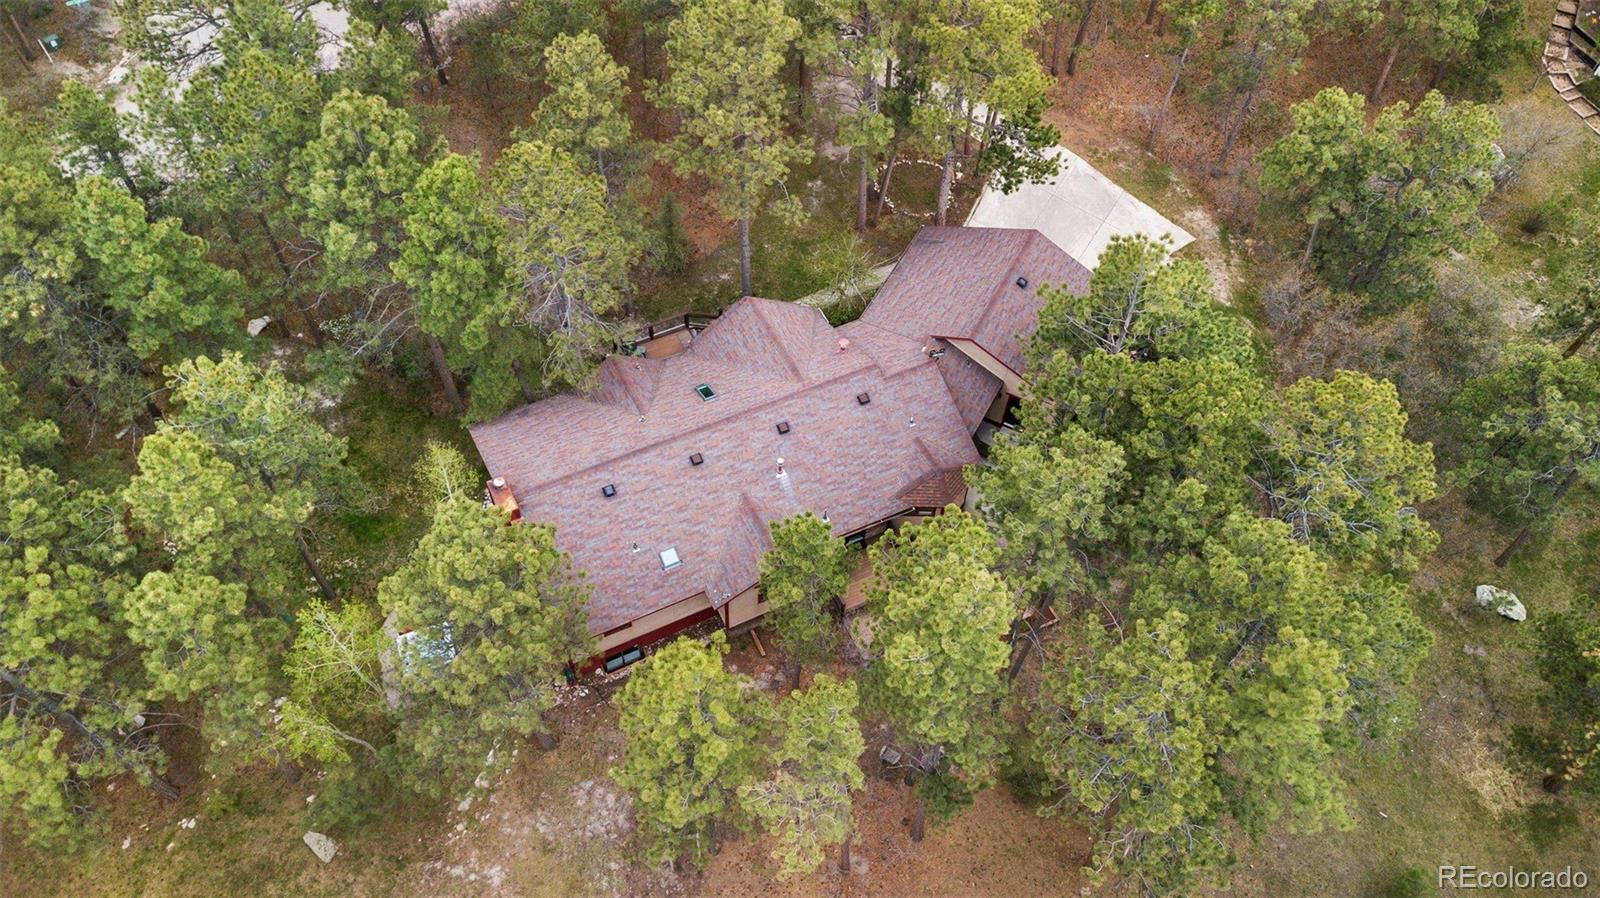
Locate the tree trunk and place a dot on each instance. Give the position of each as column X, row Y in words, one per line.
column 158, row 783
column 863, row 180
column 883, row 189
column 1150, row 13
column 522, row 381
column 1305, row 257
column 1055, row 48
column 794, row 675
column 1376, row 92
column 947, row 172
column 1020, row 658
column 22, row 42
column 989, row 124
column 1238, row 125
column 1077, row 42
column 1522, row 536
column 433, row 50
column 744, row 256
column 312, row 566
column 844, row 852
column 919, row 821
column 1166, row 101
column 446, row 379
column 1582, row 338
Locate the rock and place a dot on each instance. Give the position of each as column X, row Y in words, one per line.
column 320, row 845
column 257, row 325
column 1502, row 601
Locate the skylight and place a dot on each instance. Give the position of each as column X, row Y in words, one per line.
column 669, row 558
column 706, row 392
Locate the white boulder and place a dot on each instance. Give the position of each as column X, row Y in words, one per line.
column 320, row 845
column 1502, row 601
column 257, row 325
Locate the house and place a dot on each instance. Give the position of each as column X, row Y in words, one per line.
column 661, row 481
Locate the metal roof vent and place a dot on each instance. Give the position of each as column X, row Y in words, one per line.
column 696, row 459
column 862, row 399
column 608, row 490
column 1022, row 282
column 670, row 559
column 783, row 426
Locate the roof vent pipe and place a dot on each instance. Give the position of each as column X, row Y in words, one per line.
column 844, row 343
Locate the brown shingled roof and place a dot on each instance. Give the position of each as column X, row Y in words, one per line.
column 769, row 362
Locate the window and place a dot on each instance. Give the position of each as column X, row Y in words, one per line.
column 706, row 392
column 696, row 459
column 608, row 490
column 863, row 399
column 669, row 558
column 783, row 427
column 623, row 659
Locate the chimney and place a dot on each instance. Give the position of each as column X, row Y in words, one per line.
column 501, row 497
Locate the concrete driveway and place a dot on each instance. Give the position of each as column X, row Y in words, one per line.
column 1080, row 211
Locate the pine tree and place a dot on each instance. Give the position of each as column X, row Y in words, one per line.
column 690, row 746
column 569, row 255
column 726, row 57
column 806, row 799
column 491, row 614
column 451, row 261
column 583, row 114
column 940, row 620
column 802, row 576
column 1122, row 728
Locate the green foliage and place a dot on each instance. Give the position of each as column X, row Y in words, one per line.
column 806, row 799
column 939, row 626
column 1412, row 882
column 569, row 254
column 1566, row 743
column 535, row 27
column 726, row 56
column 378, row 63
column 67, row 715
column 336, row 689
column 1473, row 71
column 1570, row 308
column 1123, row 729
column 349, row 193
column 583, row 114
column 689, row 748
column 1340, row 471
column 1536, row 423
column 451, row 259
column 1394, row 196
column 493, row 614
column 1045, row 499
column 1141, row 303
column 669, row 246
column 443, row 475
column 94, row 139
column 802, row 576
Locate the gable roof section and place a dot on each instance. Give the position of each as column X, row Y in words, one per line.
column 962, row 282
column 768, row 362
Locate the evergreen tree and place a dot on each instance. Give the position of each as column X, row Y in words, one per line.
column 1397, row 195
column 583, row 114
column 394, row 15
column 726, row 56
column 569, row 255
column 1566, row 744
column 802, row 576
column 940, row 654
column 95, row 139
column 806, row 799
column 265, row 427
column 1536, row 423
column 1339, row 470
column 451, row 261
column 1123, row 730
column 491, row 615
column 690, row 746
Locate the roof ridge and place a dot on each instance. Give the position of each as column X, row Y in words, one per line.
column 715, row 422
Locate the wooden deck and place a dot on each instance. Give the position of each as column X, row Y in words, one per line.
column 855, row 594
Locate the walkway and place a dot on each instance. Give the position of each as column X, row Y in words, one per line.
column 1564, row 68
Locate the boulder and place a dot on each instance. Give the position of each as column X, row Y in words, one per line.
column 321, row 846
column 1502, row 601
column 257, row 325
